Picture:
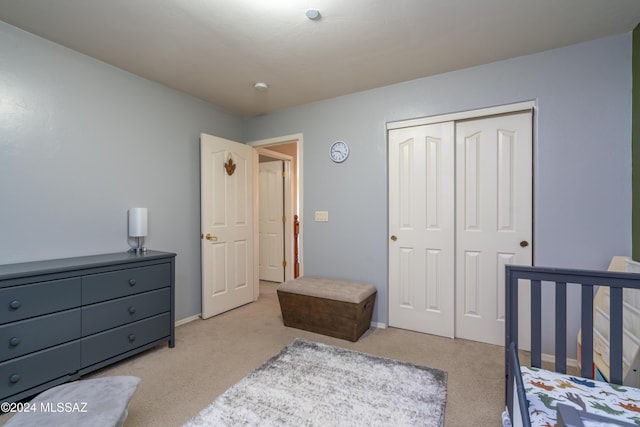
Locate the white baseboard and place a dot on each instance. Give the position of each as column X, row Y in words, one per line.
column 379, row 325
column 552, row 359
column 187, row 320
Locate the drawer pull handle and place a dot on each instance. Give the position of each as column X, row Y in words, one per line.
column 132, row 282
column 15, row 304
column 14, row 341
column 132, row 338
column 132, row 310
column 14, row 378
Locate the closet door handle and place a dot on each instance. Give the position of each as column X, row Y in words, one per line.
column 524, row 244
column 394, row 238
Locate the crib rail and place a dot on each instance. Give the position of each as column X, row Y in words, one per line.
column 559, row 278
column 519, row 417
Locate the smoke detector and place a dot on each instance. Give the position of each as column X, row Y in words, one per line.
column 313, row 14
column 261, row 86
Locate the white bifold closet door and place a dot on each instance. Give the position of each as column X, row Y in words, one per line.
column 460, row 209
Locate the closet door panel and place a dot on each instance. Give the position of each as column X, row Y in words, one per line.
column 493, row 218
column 421, row 228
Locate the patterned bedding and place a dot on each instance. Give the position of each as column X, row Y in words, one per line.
column 545, row 389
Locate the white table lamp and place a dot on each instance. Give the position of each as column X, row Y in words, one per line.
column 138, row 227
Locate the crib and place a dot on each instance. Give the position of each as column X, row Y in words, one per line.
column 541, row 397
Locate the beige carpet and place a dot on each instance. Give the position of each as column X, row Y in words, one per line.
column 211, row 355
column 314, row 384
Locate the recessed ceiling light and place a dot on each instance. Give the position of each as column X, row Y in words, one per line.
column 261, row 87
column 313, row 14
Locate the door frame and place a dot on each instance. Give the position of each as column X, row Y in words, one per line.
column 286, row 139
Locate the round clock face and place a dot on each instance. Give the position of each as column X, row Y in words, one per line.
column 339, row 151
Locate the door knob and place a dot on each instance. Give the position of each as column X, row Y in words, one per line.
column 211, row 237
column 394, row 238
column 524, row 244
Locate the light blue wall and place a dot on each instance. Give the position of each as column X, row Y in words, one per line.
column 582, row 159
column 81, row 142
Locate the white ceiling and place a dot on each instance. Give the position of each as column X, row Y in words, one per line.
column 217, row 50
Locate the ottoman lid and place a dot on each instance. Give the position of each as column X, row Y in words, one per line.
column 339, row 290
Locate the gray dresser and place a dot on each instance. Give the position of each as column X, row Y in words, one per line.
column 63, row 318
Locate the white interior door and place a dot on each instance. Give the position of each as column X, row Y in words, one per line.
column 229, row 227
column 271, row 234
column 460, row 208
column 421, row 228
column 493, row 218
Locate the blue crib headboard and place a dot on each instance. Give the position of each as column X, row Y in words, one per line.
column 559, row 278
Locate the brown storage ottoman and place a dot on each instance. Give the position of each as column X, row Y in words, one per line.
column 336, row 308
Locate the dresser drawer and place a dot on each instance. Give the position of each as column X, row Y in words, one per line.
column 35, row 334
column 105, row 345
column 106, row 315
column 116, row 284
column 34, row 369
column 24, row 301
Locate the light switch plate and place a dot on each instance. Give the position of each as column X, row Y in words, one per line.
column 322, row 216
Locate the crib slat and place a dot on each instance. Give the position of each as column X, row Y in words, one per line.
column 561, row 327
column 615, row 334
column 587, row 331
column 536, row 324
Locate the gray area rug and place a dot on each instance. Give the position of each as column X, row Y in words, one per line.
column 313, row 384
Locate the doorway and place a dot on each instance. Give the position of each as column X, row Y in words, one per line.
column 460, row 208
column 287, row 149
column 274, row 201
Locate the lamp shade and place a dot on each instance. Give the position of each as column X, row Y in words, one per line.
column 138, row 222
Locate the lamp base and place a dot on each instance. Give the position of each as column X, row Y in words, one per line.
column 138, row 251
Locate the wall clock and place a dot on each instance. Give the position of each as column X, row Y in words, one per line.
column 339, row 151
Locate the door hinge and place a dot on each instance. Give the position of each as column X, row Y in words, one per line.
column 284, row 263
column 284, row 174
column 284, row 218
